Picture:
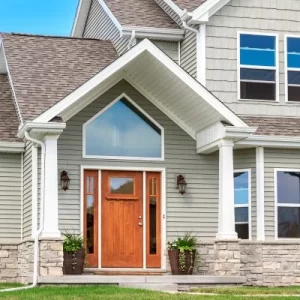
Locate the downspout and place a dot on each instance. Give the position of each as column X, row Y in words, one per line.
column 37, row 235
column 131, row 39
column 184, row 18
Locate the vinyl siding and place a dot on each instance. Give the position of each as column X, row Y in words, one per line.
column 276, row 158
column 196, row 211
column 170, row 48
column 100, row 26
column 169, row 11
column 27, row 191
column 276, row 17
column 246, row 159
column 188, row 56
column 10, row 197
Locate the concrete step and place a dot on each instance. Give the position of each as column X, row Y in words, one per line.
column 162, row 287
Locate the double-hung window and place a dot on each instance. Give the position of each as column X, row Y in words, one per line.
column 288, row 203
column 293, row 68
column 258, row 70
column 242, row 205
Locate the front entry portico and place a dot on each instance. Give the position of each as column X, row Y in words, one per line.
column 122, row 216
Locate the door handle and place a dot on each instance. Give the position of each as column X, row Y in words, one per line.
column 140, row 224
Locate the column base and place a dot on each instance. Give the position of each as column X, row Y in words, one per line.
column 227, row 236
column 50, row 235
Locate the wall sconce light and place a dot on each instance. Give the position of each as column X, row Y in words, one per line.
column 181, row 184
column 64, row 180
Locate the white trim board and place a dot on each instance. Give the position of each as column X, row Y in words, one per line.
column 120, row 64
column 163, row 208
column 124, row 95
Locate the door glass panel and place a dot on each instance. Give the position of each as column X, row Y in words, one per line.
column 90, row 214
column 122, row 185
column 152, row 215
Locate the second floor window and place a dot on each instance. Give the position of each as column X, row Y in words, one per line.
column 293, row 69
column 257, row 67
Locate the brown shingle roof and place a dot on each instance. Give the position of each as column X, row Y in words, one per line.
column 274, row 126
column 44, row 70
column 140, row 13
column 8, row 116
column 190, row 5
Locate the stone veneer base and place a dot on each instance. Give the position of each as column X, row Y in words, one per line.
column 16, row 260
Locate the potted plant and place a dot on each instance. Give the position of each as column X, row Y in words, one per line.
column 74, row 254
column 182, row 254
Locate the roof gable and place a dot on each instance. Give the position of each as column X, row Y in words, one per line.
column 161, row 81
column 44, row 70
column 188, row 4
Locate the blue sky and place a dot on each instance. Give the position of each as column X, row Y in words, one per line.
column 46, row 17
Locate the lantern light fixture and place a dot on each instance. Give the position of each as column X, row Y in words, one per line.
column 181, row 184
column 64, row 180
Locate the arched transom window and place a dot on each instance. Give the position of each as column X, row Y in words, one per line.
column 123, row 130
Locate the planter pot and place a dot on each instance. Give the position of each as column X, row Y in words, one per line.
column 73, row 262
column 184, row 268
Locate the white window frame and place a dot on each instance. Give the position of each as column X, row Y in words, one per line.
column 276, row 68
column 287, row 69
column 276, row 170
column 123, row 95
column 249, row 201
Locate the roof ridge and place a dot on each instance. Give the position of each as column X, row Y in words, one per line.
column 51, row 36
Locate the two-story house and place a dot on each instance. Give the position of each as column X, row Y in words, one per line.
column 156, row 118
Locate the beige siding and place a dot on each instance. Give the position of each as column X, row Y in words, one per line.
column 170, row 48
column 27, row 191
column 100, row 26
column 276, row 158
column 188, row 58
column 279, row 17
column 10, row 197
column 169, row 11
column 246, row 159
column 196, row 211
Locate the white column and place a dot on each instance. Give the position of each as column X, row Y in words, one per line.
column 260, row 194
column 226, row 192
column 51, row 188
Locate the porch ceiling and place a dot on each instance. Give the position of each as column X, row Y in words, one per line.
column 157, row 82
column 162, row 81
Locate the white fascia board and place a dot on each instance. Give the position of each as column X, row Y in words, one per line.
column 53, row 127
column 208, row 140
column 81, row 17
column 154, row 33
column 111, row 15
column 174, row 7
column 206, row 10
column 271, row 141
column 125, row 59
column 12, row 147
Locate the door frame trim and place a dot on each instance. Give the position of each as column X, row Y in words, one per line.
column 163, row 206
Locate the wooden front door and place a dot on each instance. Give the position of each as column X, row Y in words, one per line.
column 122, row 219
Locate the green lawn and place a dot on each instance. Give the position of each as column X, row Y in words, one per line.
column 291, row 290
column 107, row 293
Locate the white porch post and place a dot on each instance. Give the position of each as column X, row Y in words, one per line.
column 260, row 193
column 226, row 192
column 50, row 229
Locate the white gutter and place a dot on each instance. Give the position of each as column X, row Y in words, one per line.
column 131, row 40
column 37, row 235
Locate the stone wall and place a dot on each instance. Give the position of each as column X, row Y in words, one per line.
column 274, row 263
column 16, row 260
column 9, row 263
column 206, row 259
column 51, row 257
